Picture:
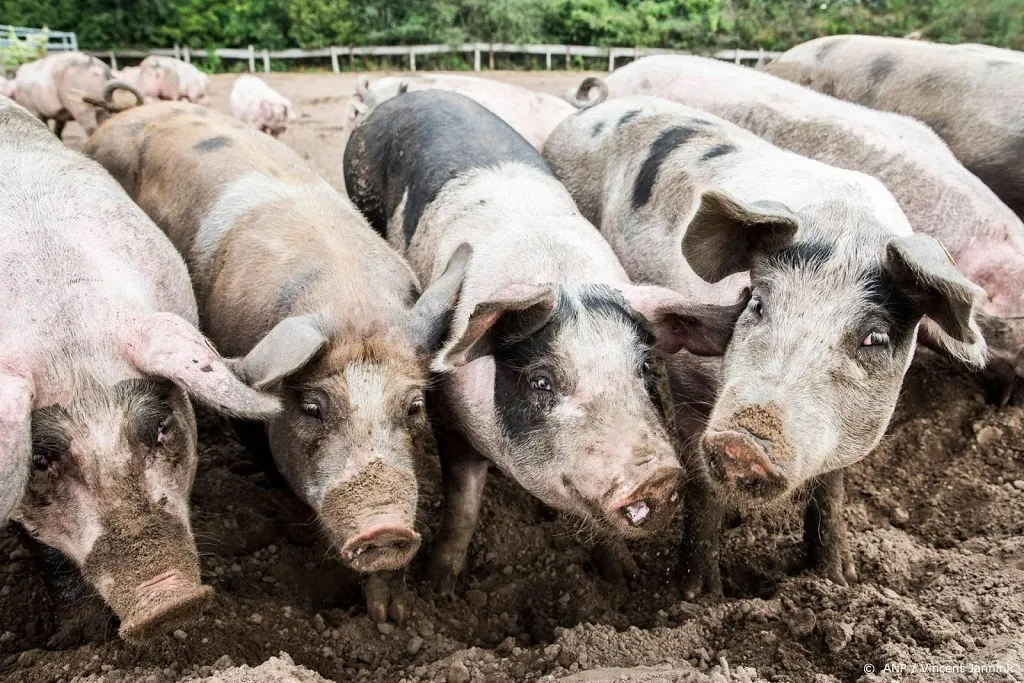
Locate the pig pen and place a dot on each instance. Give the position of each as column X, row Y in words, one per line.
column 936, row 515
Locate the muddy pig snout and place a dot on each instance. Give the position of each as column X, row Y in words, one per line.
column 648, row 504
column 164, row 602
column 370, row 518
column 738, row 458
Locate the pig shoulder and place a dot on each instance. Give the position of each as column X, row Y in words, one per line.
column 412, row 146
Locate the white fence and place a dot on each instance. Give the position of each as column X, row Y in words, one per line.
column 57, row 41
column 551, row 53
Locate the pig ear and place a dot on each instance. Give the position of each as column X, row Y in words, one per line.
column 701, row 329
column 164, row 345
column 922, row 268
column 362, row 86
column 284, row 351
column 431, row 316
column 724, row 235
column 514, row 312
column 403, row 88
column 15, row 441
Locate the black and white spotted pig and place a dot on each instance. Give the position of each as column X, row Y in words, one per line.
column 839, row 286
column 549, row 360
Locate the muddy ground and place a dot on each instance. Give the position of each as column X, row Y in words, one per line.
column 936, row 515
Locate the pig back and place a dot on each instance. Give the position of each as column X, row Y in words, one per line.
column 263, row 235
column 79, row 258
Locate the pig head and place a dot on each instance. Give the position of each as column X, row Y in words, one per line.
column 811, row 377
column 105, row 475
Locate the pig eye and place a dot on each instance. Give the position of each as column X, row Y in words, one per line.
column 647, row 367
column 415, row 407
column 876, row 338
column 164, row 428
column 45, row 459
column 541, row 383
column 311, row 408
column 755, row 306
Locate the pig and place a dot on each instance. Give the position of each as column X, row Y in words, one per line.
column 192, row 84
column 320, row 310
column 99, row 354
column 55, row 88
column 839, row 285
column 153, row 80
column 548, row 369
column 260, row 106
column 532, row 114
column 938, row 196
column 971, row 97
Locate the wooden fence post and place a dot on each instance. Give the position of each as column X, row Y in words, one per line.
column 547, row 59
column 186, row 54
column 567, row 51
column 266, row 61
column 490, row 58
column 736, row 56
column 611, row 59
column 113, row 60
column 476, row 58
column 334, row 60
column 412, row 59
column 177, row 51
column 351, row 58
column 252, row 59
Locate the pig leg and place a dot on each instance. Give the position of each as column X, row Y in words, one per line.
column 825, row 530
column 614, row 560
column 464, row 473
column 386, row 596
column 58, row 128
column 701, row 542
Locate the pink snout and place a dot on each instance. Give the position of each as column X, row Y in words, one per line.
column 649, row 503
column 738, row 458
column 163, row 603
column 382, row 546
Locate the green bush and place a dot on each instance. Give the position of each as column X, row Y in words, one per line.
column 698, row 25
column 23, row 50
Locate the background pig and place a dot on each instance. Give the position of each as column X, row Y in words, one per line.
column 192, row 84
column 550, row 357
column 153, row 80
column 288, row 272
column 938, row 196
column 839, row 285
column 98, row 355
column 53, row 88
column 259, row 106
column 6, row 87
column 972, row 97
column 533, row 115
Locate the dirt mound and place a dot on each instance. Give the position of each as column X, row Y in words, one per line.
column 936, row 517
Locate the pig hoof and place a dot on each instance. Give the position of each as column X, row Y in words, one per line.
column 386, row 596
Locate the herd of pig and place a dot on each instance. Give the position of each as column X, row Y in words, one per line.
column 74, row 86
column 505, row 275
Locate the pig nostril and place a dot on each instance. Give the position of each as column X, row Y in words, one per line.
column 636, row 512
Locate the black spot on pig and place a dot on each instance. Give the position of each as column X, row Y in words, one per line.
column 825, row 50
column 932, row 82
column 717, row 151
column 881, row 67
column 896, row 307
column 521, row 409
column 628, row 116
column 802, row 255
column 414, row 145
column 213, row 144
column 666, row 143
column 294, row 288
column 596, row 129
